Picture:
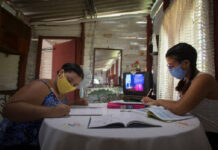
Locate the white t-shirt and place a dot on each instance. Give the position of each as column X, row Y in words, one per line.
column 207, row 112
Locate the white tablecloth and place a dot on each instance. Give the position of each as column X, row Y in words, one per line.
column 71, row 133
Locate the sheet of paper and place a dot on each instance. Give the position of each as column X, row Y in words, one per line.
column 83, row 106
column 90, row 111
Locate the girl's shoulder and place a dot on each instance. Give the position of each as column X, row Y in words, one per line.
column 203, row 73
column 42, row 83
column 204, row 78
column 34, row 92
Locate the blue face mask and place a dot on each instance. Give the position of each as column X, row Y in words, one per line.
column 178, row 72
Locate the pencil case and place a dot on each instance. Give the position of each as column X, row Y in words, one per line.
column 128, row 106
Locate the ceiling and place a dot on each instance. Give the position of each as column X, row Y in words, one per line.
column 116, row 19
column 44, row 11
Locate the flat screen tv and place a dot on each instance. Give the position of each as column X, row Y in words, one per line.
column 137, row 84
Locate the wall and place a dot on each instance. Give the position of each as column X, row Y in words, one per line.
column 122, row 34
column 46, row 60
column 63, row 53
column 31, row 61
column 69, row 30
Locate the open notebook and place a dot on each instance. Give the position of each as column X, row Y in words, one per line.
column 162, row 114
column 120, row 121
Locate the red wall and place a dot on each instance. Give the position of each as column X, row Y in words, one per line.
column 62, row 53
column 112, row 70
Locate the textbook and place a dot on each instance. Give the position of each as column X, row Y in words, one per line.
column 117, row 121
column 162, row 114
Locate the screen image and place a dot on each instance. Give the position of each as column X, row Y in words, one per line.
column 134, row 82
column 137, row 84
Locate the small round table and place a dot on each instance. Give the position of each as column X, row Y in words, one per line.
column 72, row 133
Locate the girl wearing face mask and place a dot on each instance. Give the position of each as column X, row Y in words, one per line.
column 198, row 90
column 25, row 110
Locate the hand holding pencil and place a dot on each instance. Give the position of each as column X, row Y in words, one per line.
column 147, row 99
column 149, row 92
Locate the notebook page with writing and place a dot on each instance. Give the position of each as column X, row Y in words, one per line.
column 86, row 112
column 105, row 121
column 118, row 121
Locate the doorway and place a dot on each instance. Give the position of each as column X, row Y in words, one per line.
column 53, row 52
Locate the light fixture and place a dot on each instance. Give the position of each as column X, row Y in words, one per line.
column 141, row 22
column 121, row 25
column 133, row 37
column 110, row 22
column 128, row 37
column 133, row 43
column 141, row 38
column 122, row 14
column 143, row 48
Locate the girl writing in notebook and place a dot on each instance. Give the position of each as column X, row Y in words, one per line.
column 39, row 99
column 198, row 90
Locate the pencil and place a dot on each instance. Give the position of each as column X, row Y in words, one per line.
column 149, row 92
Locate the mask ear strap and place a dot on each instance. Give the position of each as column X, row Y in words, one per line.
column 61, row 75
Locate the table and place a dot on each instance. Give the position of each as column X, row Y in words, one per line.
column 71, row 133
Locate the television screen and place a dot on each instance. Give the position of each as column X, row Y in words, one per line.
column 137, row 84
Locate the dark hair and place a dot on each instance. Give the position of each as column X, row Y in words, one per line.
column 71, row 67
column 180, row 52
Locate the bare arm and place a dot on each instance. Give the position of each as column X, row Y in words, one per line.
column 200, row 88
column 160, row 102
column 25, row 104
column 23, row 112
